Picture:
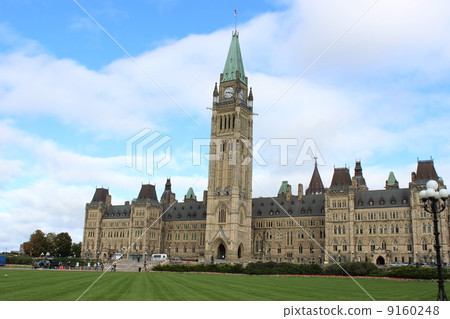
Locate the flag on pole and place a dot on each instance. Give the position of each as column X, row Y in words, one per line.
column 235, row 12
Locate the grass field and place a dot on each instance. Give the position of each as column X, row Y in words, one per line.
column 23, row 285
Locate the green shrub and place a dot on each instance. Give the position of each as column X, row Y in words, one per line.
column 19, row 260
column 412, row 272
column 273, row 268
column 222, row 268
column 352, row 268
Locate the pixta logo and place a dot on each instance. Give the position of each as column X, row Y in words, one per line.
column 243, row 151
column 147, row 151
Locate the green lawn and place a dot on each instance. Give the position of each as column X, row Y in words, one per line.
column 65, row 285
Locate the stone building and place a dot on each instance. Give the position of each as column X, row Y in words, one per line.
column 344, row 222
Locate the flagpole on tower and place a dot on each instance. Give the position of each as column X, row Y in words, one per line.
column 235, row 14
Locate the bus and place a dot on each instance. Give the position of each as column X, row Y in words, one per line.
column 159, row 257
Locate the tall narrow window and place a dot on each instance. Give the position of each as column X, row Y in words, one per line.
column 222, row 215
column 395, row 246
column 424, row 244
column 359, row 245
column 409, row 245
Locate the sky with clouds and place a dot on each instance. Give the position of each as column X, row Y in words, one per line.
column 71, row 98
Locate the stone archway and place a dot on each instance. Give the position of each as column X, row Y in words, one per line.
column 380, row 261
column 221, row 252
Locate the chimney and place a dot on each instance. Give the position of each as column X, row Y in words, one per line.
column 300, row 191
column 288, row 193
column 127, row 203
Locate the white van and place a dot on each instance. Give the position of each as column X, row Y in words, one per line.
column 117, row 256
column 159, row 257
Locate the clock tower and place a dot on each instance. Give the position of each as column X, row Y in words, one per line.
column 229, row 199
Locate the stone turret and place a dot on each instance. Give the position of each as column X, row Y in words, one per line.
column 391, row 182
column 190, row 196
column 168, row 197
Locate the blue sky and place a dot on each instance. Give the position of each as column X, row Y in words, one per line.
column 70, row 98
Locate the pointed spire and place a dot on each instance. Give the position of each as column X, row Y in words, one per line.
column 283, row 188
column 190, row 196
column 168, row 196
column 391, row 182
column 250, row 98
column 215, row 94
column 358, row 177
column 168, row 186
column 315, row 185
column 234, row 67
column 358, row 169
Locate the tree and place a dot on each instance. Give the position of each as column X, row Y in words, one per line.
column 51, row 239
column 37, row 244
column 63, row 243
column 76, row 249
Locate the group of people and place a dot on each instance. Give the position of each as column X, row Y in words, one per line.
column 99, row 265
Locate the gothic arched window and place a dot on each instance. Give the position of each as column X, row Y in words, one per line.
column 222, row 215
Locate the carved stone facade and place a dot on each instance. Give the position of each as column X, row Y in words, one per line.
column 344, row 222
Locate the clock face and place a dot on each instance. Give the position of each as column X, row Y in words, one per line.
column 241, row 94
column 229, row 91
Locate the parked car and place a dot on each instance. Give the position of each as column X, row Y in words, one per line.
column 406, row 264
column 41, row 264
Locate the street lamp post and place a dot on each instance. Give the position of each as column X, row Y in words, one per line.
column 434, row 201
column 145, row 261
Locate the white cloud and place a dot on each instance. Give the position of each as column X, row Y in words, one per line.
column 378, row 95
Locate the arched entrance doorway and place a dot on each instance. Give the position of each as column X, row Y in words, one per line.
column 221, row 252
column 240, row 251
column 380, row 261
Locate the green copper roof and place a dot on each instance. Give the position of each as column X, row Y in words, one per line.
column 234, row 61
column 190, row 194
column 391, row 179
column 283, row 188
